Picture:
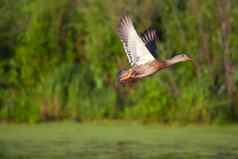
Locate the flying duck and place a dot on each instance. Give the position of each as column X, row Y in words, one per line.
column 140, row 51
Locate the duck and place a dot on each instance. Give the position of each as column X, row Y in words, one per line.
column 140, row 51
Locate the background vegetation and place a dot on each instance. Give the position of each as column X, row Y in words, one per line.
column 59, row 60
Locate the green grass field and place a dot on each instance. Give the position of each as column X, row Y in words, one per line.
column 117, row 141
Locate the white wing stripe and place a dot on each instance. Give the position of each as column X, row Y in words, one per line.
column 135, row 48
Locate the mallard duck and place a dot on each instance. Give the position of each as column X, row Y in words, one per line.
column 140, row 50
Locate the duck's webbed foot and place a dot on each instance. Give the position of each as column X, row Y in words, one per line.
column 125, row 75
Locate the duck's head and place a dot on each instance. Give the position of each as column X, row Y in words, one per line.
column 177, row 59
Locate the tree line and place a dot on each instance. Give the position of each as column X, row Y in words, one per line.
column 59, row 59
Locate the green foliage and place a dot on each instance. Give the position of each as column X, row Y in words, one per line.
column 59, row 59
column 65, row 98
column 151, row 104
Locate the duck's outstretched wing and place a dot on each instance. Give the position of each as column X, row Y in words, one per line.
column 135, row 48
column 149, row 37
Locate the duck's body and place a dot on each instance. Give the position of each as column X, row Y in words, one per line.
column 139, row 51
column 141, row 71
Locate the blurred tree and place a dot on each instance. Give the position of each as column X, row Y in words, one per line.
column 60, row 58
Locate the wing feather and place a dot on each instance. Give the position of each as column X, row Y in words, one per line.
column 149, row 37
column 135, row 48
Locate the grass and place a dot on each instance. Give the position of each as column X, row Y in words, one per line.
column 117, row 141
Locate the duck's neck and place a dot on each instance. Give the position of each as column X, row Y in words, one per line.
column 172, row 61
